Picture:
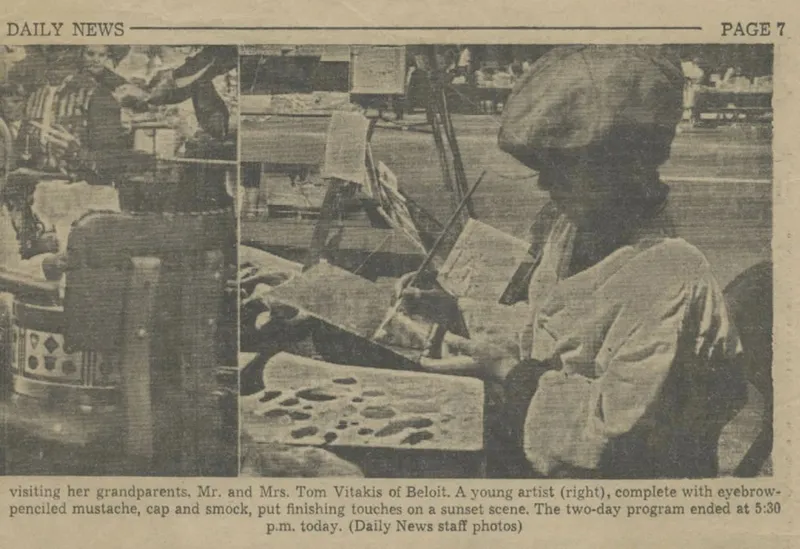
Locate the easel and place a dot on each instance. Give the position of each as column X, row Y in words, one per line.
column 453, row 175
column 332, row 210
column 442, row 125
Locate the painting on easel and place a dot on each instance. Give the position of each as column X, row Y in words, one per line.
column 394, row 205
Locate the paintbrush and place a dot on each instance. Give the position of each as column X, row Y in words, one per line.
column 449, row 225
column 428, row 259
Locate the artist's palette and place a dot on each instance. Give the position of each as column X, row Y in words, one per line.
column 311, row 402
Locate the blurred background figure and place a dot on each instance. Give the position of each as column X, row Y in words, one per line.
column 73, row 122
column 11, row 108
column 695, row 77
column 193, row 80
column 12, row 103
column 464, row 65
column 98, row 61
column 9, row 56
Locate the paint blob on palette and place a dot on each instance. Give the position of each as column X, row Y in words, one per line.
column 310, row 402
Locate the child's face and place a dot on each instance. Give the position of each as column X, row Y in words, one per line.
column 578, row 190
column 587, row 189
column 11, row 108
column 95, row 58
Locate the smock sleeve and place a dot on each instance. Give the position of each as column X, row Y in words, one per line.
column 656, row 374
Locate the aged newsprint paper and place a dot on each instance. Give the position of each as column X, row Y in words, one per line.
column 381, row 274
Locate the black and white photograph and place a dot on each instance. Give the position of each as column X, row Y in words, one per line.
column 118, row 260
column 506, row 261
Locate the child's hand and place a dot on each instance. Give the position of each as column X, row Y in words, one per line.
column 427, row 299
column 470, row 357
column 425, row 286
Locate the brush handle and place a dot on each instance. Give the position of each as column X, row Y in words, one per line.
column 449, row 225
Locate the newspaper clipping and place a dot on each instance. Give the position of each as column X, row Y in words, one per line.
column 446, row 277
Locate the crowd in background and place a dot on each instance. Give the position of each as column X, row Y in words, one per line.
column 138, row 77
column 479, row 78
column 77, row 119
column 468, row 67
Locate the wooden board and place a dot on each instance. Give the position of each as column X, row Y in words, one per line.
column 302, row 139
column 482, row 262
column 338, row 297
column 309, row 402
column 346, row 147
column 378, row 70
column 349, row 310
column 266, row 261
column 309, row 104
column 328, row 52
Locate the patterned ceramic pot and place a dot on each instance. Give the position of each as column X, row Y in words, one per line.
column 60, row 393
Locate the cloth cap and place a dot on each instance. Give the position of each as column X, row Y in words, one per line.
column 619, row 101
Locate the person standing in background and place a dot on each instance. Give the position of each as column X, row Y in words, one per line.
column 251, row 188
column 11, row 108
column 12, row 103
column 526, row 65
column 97, row 61
column 28, row 67
column 9, row 57
column 193, row 79
column 464, row 65
column 73, row 122
column 207, row 186
column 71, row 133
column 695, row 76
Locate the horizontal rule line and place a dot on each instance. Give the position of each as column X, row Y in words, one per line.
column 463, row 28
